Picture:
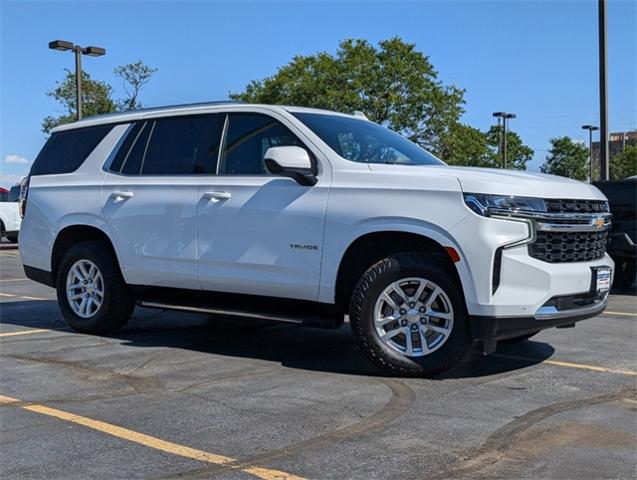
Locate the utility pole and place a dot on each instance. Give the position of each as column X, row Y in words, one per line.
column 63, row 46
column 603, row 93
column 590, row 129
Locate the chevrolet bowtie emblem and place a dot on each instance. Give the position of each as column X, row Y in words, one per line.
column 599, row 222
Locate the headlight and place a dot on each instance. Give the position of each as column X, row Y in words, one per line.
column 488, row 205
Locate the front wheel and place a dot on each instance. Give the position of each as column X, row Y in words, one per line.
column 91, row 292
column 408, row 315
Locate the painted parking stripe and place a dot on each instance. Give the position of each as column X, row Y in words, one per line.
column 147, row 440
column 24, row 332
column 582, row 366
column 606, row 312
column 23, row 297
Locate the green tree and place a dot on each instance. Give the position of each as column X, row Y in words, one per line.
column 97, row 95
column 624, row 164
column 517, row 152
column 135, row 76
column 567, row 159
column 96, row 99
column 393, row 84
column 466, row 146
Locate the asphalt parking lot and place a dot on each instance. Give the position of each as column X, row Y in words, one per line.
column 187, row 396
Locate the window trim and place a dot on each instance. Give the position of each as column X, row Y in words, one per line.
column 106, row 167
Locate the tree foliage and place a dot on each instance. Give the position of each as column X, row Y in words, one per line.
column 135, row 76
column 517, row 152
column 624, row 164
column 96, row 99
column 394, row 85
column 97, row 95
column 567, row 159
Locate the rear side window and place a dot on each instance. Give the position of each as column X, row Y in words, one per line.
column 65, row 151
column 14, row 194
column 3, row 196
column 183, row 145
column 248, row 138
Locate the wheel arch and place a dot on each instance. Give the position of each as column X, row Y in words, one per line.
column 370, row 247
column 73, row 234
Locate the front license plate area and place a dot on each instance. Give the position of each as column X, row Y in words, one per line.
column 602, row 279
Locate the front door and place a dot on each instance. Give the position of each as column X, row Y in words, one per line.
column 257, row 233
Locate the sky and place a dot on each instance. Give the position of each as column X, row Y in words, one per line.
column 537, row 59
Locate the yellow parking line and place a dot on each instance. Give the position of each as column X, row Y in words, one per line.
column 582, row 366
column 24, row 332
column 24, row 297
column 147, row 440
column 620, row 313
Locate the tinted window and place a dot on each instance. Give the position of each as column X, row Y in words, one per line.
column 183, row 145
column 133, row 159
column 65, row 151
column 14, row 194
column 367, row 142
column 122, row 153
column 248, row 138
column 3, row 196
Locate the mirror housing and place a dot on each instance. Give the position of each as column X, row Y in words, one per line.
column 293, row 162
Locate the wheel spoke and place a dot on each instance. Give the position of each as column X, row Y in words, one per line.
column 423, row 339
column 431, row 298
column 390, row 334
column 443, row 315
column 437, row 329
column 77, row 273
column 381, row 322
column 419, row 290
column 76, row 296
column 390, row 302
column 74, row 286
column 409, row 346
column 398, row 289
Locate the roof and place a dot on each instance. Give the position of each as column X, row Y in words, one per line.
column 132, row 115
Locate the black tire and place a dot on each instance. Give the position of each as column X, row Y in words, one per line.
column 519, row 339
column 370, row 287
column 118, row 303
column 625, row 270
column 12, row 238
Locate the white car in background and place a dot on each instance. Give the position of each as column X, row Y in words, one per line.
column 305, row 216
column 9, row 213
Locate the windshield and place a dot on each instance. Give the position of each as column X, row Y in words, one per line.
column 365, row 142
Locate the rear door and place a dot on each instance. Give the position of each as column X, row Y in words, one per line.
column 150, row 197
column 258, row 233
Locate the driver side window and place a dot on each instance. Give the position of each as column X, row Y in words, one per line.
column 248, row 137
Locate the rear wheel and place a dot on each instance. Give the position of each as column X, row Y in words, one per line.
column 408, row 315
column 91, row 292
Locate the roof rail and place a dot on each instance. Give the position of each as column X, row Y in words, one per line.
column 164, row 107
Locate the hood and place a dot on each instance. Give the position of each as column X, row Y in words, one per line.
column 502, row 182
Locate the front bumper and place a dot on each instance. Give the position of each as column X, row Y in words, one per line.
column 491, row 329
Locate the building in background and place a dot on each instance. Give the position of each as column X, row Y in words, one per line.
column 617, row 141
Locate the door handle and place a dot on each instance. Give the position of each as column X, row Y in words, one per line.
column 121, row 196
column 216, row 196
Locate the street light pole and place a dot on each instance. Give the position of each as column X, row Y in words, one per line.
column 603, row 94
column 78, row 81
column 590, row 129
column 63, row 46
column 503, row 143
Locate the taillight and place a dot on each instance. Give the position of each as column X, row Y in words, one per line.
column 24, row 193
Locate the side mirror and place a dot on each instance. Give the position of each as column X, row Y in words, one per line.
column 293, row 162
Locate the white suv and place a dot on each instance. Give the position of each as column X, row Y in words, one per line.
column 305, row 216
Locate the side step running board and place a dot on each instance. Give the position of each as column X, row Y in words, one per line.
column 218, row 311
column 297, row 312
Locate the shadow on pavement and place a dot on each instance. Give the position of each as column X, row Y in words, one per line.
column 331, row 351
